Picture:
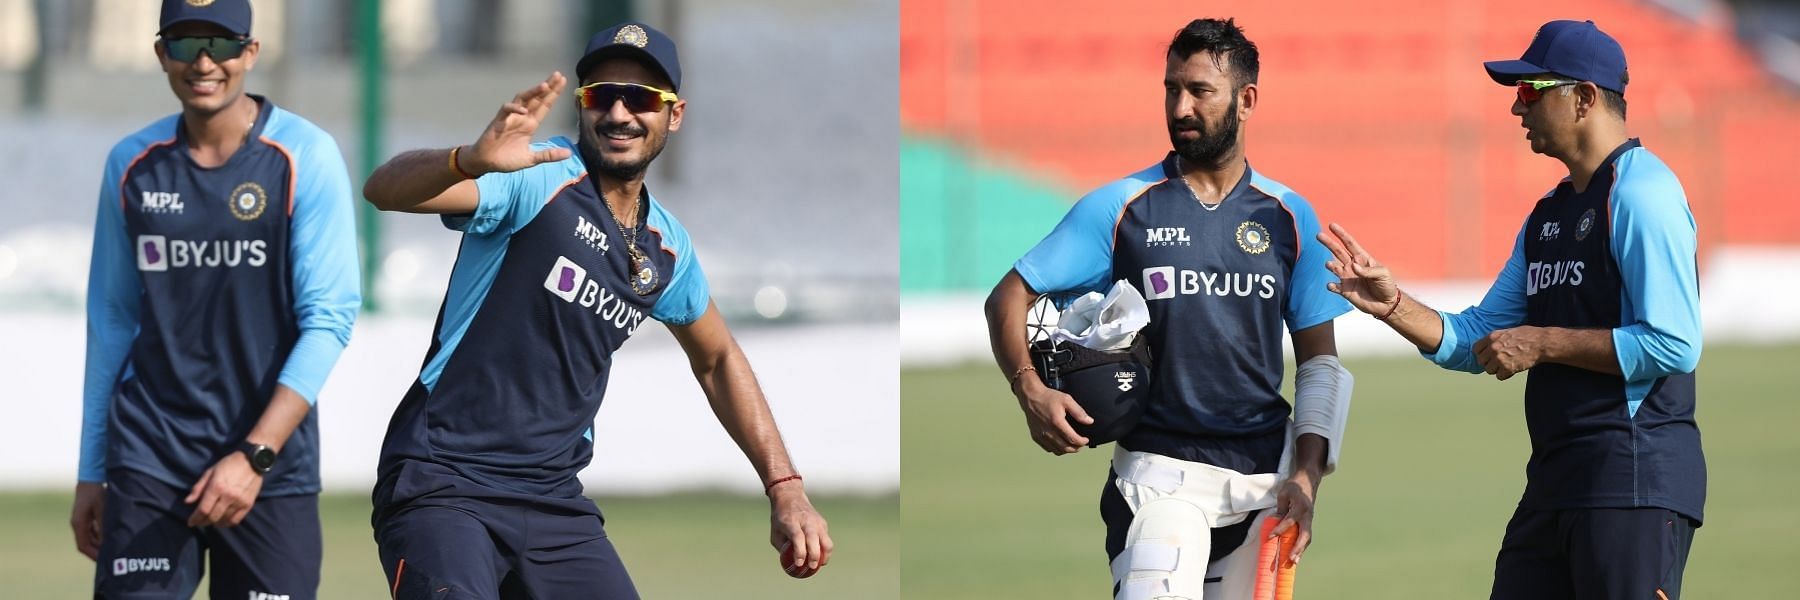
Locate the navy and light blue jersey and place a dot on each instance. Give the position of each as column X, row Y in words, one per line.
column 1221, row 284
column 210, row 286
column 1619, row 256
column 539, row 300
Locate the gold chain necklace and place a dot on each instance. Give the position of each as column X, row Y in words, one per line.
column 642, row 274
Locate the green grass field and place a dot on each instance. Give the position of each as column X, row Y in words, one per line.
column 683, row 546
column 1432, row 468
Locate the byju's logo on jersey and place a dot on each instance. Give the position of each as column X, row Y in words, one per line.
column 158, row 253
column 1541, row 276
column 1161, row 283
column 591, row 234
column 161, row 203
column 127, row 566
column 254, row 595
column 1166, row 236
column 1549, row 231
column 570, row 282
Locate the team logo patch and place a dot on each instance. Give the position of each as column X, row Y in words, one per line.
column 248, row 201
column 632, row 34
column 1585, row 225
column 1253, row 237
column 199, row 3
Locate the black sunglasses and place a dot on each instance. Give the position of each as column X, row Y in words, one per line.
column 221, row 49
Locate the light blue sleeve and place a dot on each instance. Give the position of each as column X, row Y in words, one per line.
column 1501, row 308
column 1653, row 240
column 511, row 200
column 326, row 277
column 687, row 295
column 114, row 296
column 1309, row 302
column 1077, row 255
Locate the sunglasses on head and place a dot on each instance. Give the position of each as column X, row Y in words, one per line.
column 220, row 48
column 639, row 98
column 1532, row 90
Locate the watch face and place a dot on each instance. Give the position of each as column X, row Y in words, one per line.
column 262, row 458
column 265, row 459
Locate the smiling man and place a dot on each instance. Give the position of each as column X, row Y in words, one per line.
column 565, row 254
column 223, row 288
column 1601, row 302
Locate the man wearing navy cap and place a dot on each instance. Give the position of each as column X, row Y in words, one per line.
column 564, row 254
column 223, row 288
column 1616, row 480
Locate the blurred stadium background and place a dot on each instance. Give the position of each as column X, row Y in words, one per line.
column 784, row 174
column 1380, row 114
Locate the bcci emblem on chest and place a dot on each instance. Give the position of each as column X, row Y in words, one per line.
column 1252, row 237
column 248, row 201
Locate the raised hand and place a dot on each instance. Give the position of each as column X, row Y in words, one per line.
column 505, row 145
column 1363, row 281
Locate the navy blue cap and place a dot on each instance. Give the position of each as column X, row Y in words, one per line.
column 635, row 40
column 233, row 15
column 1573, row 49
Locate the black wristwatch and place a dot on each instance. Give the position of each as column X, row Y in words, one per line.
column 262, row 458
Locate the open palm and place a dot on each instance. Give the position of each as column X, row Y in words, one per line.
column 1367, row 284
column 505, row 145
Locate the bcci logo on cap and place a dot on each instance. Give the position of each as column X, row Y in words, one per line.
column 632, row 34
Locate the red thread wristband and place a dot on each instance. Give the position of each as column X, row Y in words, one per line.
column 457, row 167
column 770, row 486
column 1398, row 295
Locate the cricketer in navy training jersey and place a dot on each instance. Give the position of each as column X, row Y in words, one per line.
column 1226, row 260
column 565, row 253
column 1600, row 301
column 223, row 287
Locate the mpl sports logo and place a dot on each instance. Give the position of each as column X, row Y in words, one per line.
column 1162, row 283
column 1166, row 236
column 1540, row 276
column 161, row 203
column 158, row 253
column 1550, row 231
column 127, row 566
column 591, row 234
column 570, row 282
